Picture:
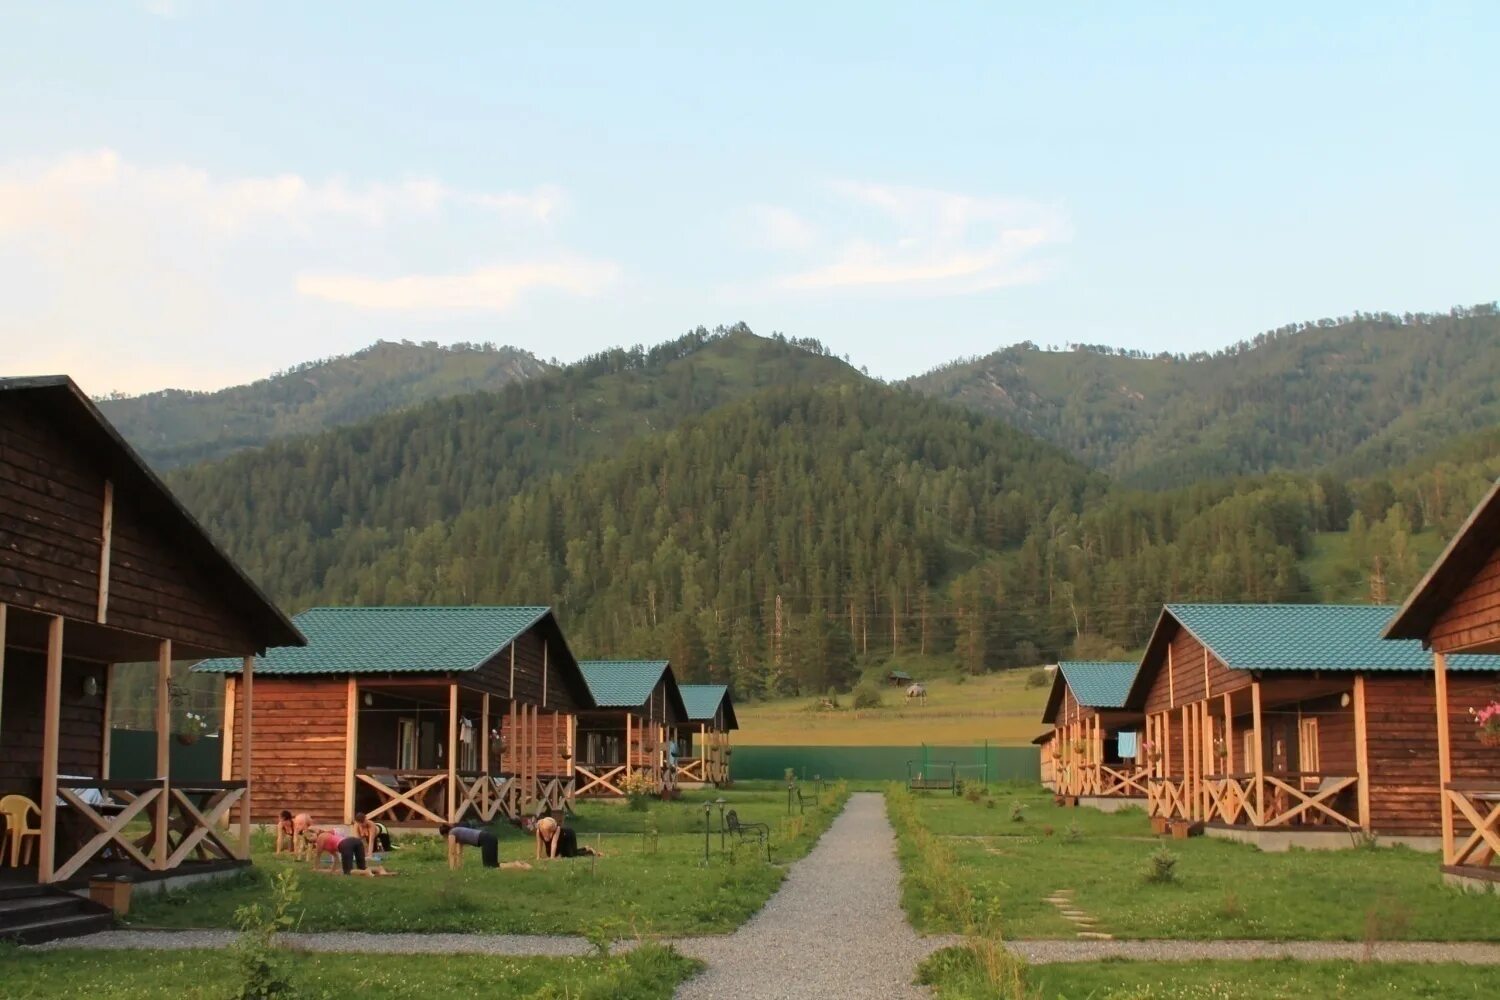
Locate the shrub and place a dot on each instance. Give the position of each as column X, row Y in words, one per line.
column 867, row 696
column 1018, row 812
column 973, row 792
column 262, row 970
column 1074, row 834
column 637, row 789
column 1161, row 866
column 1038, row 679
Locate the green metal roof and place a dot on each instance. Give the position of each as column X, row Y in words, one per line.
column 702, row 702
column 1099, row 683
column 392, row 640
column 902, row 674
column 622, row 683
column 1309, row 637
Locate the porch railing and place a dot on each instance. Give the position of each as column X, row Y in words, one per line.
column 184, row 819
column 420, row 796
column 1476, row 818
column 1283, row 799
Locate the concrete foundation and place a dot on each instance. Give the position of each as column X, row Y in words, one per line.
column 1276, row 840
column 1112, row 803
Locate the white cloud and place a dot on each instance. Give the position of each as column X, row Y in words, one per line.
column 488, row 289
column 932, row 242
column 780, row 228
column 133, row 276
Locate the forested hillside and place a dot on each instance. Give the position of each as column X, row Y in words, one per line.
column 1356, row 395
column 760, row 512
column 174, row 427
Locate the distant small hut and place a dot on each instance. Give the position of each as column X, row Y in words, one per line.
column 638, row 709
column 898, row 678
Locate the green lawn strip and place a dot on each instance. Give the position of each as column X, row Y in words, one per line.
column 653, row 880
column 1222, row 890
column 957, row 974
column 647, row 974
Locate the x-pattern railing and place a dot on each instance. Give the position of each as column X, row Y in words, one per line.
column 1476, row 805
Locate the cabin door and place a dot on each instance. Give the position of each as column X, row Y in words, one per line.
column 406, row 744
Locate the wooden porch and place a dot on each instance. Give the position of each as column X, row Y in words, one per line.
column 614, row 746
column 709, row 764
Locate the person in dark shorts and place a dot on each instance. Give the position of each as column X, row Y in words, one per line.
column 375, row 835
column 554, row 840
column 349, row 852
column 460, row 837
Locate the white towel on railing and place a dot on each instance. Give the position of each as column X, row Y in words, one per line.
column 91, row 796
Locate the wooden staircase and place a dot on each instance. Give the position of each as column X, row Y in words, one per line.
column 33, row 914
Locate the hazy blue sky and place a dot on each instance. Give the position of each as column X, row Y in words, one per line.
column 198, row 193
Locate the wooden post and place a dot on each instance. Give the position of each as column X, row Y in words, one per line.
column 351, row 747
column 51, row 716
column 106, row 748
column 1188, row 756
column 1445, row 753
column 2, row 667
column 247, row 744
column 1165, row 727
column 1260, row 754
column 226, row 752
column 163, row 751
column 544, row 673
column 1229, row 767
column 452, row 752
column 511, row 694
column 1362, row 752
column 1171, row 678
column 628, row 754
column 106, row 535
column 485, row 786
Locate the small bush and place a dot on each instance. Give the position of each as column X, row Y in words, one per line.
column 637, row 789
column 1038, row 679
column 867, row 696
column 961, row 679
column 973, row 792
column 1047, row 830
column 1161, row 867
column 1074, row 834
column 262, row 969
column 1230, row 907
column 1018, row 812
column 989, row 803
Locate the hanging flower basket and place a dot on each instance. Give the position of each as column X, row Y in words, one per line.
column 1489, row 737
column 187, row 739
column 1488, row 721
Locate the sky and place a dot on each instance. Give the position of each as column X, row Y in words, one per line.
column 196, row 194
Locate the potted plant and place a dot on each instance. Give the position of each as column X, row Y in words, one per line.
column 1487, row 719
column 192, row 726
column 497, row 743
column 1160, row 825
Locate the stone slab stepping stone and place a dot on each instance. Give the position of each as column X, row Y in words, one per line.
column 1095, row 936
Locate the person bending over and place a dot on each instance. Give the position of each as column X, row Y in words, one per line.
column 375, row 835
column 346, row 852
column 460, row 837
column 292, row 829
column 553, row 840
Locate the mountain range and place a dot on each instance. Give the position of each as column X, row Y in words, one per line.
column 763, row 513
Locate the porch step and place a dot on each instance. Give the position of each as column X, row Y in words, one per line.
column 36, row 914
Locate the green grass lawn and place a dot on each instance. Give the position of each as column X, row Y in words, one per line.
column 651, row 974
column 653, row 880
column 1221, row 890
column 955, row 974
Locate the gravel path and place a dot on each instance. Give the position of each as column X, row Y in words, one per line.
column 835, row 930
column 1052, row 952
column 348, row 941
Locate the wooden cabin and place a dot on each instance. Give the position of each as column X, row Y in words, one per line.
column 414, row 716
column 1096, row 739
column 1455, row 610
column 638, row 711
column 1048, row 763
column 100, row 565
column 711, row 709
column 1288, row 724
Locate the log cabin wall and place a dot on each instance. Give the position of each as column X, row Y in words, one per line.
column 1471, row 759
column 539, row 658
column 1399, row 710
column 299, row 746
column 1473, row 617
column 80, row 746
column 551, row 741
column 54, row 543
column 1184, row 676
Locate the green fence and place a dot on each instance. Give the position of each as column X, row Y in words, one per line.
column 976, row 763
column 132, row 756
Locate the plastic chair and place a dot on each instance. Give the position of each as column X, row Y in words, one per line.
column 15, row 809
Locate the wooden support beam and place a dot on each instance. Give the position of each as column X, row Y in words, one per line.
column 544, row 673
column 1260, row 753
column 1188, row 756
column 106, row 748
column 1445, row 752
column 1362, row 752
column 351, row 747
column 247, row 743
column 486, row 787
column 1171, row 679
column 163, row 751
column 628, row 745
column 106, row 540
column 51, row 726
column 452, row 752
column 2, row 668
column 511, row 692
column 226, row 752
column 1229, row 767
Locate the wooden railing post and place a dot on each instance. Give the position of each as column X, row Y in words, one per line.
column 452, row 752
column 1361, row 752
column 163, row 752
column 1260, row 754
column 351, row 747
column 1445, row 753
column 486, row 787
column 51, row 725
column 247, row 750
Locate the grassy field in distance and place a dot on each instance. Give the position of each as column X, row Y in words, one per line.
column 958, row 711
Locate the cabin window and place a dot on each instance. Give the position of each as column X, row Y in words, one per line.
column 468, row 754
column 1247, row 744
column 1307, row 746
column 406, row 744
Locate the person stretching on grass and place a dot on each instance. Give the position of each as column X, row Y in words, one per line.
column 375, row 835
column 344, row 851
column 558, row 841
column 292, row 829
column 489, row 846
